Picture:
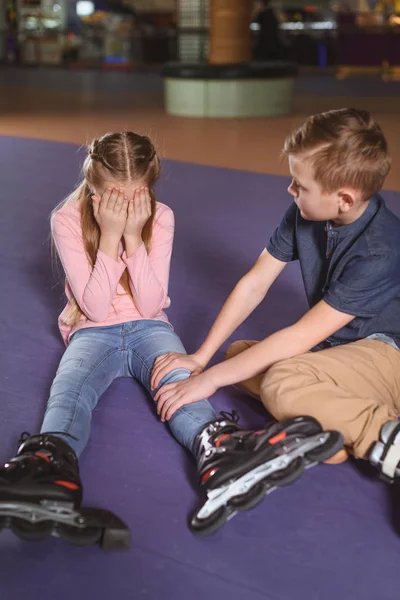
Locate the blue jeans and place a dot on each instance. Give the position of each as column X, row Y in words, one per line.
column 98, row 355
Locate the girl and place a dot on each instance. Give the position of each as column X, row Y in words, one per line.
column 114, row 241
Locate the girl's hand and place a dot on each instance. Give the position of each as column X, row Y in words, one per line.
column 139, row 212
column 110, row 212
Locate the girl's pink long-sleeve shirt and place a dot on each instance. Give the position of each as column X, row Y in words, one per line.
column 100, row 296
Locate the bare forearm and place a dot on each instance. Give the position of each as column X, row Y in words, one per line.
column 318, row 324
column 257, row 359
column 246, row 296
column 239, row 305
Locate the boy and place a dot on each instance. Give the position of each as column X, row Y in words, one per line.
column 340, row 363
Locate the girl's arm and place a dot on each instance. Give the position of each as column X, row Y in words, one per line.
column 92, row 287
column 149, row 272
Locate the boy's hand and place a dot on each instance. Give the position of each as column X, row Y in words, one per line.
column 168, row 362
column 173, row 396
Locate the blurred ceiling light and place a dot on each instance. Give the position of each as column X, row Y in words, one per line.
column 84, row 8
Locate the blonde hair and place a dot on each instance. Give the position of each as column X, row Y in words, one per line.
column 346, row 148
column 119, row 157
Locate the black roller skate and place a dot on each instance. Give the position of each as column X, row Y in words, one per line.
column 385, row 454
column 41, row 494
column 238, row 468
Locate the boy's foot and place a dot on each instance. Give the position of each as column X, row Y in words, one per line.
column 385, row 454
column 338, row 458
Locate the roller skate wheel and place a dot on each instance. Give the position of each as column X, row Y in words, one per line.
column 288, row 475
column 211, row 524
column 86, row 536
column 31, row 531
column 250, row 499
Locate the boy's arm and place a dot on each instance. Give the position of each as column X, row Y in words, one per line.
column 314, row 327
column 245, row 297
column 248, row 293
column 365, row 289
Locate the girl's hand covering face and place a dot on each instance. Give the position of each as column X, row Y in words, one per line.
column 111, row 211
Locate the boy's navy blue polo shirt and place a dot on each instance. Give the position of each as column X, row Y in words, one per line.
column 355, row 268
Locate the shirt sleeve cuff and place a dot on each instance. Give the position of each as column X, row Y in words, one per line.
column 278, row 254
column 341, row 306
column 139, row 254
column 115, row 266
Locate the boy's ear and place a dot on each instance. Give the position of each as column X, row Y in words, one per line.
column 347, row 199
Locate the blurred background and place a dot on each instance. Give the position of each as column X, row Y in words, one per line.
column 71, row 69
column 129, row 34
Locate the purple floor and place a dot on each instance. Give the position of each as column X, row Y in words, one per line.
column 329, row 536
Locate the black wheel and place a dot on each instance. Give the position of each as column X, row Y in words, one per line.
column 31, row 532
column 287, row 476
column 89, row 536
column 211, row 524
column 333, row 444
column 249, row 500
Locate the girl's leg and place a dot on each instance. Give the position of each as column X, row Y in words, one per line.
column 43, row 478
column 147, row 341
column 90, row 364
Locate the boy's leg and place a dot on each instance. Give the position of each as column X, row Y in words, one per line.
column 250, row 386
column 353, row 388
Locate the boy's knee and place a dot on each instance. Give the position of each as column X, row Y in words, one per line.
column 281, row 384
column 270, row 389
column 237, row 347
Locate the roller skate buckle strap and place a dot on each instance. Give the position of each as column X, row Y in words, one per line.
column 288, row 453
column 385, row 454
column 391, row 462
